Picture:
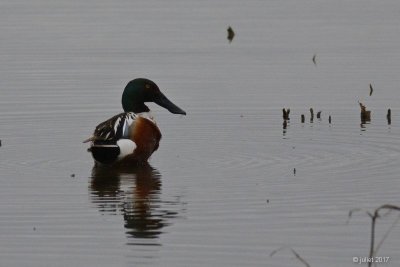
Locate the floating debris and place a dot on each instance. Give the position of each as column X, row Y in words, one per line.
column 294, row 171
column 389, row 116
column 303, row 118
column 319, row 114
column 73, row 175
column 312, row 115
column 370, row 89
column 330, row 119
column 286, row 113
column 284, row 124
column 231, row 34
column 365, row 114
column 34, row 228
column 314, row 59
column 267, row 200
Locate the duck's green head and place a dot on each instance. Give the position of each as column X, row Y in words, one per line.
column 139, row 91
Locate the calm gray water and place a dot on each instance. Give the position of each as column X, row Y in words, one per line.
column 221, row 190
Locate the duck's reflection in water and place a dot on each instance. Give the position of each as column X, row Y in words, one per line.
column 133, row 192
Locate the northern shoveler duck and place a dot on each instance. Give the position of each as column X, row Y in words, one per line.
column 131, row 136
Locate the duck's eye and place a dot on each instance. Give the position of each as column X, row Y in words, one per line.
column 147, row 86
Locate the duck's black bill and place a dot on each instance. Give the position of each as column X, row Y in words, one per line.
column 163, row 101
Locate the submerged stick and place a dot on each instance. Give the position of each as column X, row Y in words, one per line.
column 365, row 114
column 374, row 216
column 285, row 113
column 276, row 250
column 312, row 114
column 294, row 252
column 371, row 246
column 302, row 118
column 300, row 258
column 231, row 34
column 389, row 116
column 386, row 235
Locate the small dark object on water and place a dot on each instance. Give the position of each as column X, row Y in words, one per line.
column 284, row 124
column 389, row 116
column 0, row 142
column 286, row 113
column 294, row 171
column 370, row 89
column 312, row 115
column 302, row 118
column 365, row 114
column 319, row 114
column 314, row 59
column 34, row 228
column 330, row 119
column 267, row 200
column 231, row 34
column 73, row 175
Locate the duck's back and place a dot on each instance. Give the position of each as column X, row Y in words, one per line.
column 124, row 138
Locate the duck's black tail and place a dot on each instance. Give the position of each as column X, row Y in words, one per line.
column 105, row 152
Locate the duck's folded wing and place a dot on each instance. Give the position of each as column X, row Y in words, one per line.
column 114, row 128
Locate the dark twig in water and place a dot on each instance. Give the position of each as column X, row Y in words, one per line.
column 231, row 34
column 276, row 250
column 370, row 89
column 389, row 116
column 312, row 115
column 386, row 235
column 294, row 252
column 286, row 113
column 351, row 213
column 314, row 59
column 300, row 258
column 375, row 215
column 330, row 119
column 302, row 118
column 319, row 114
column 365, row 114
